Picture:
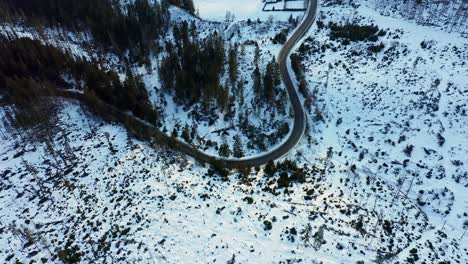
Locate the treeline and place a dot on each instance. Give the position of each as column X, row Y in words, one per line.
column 355, row 32
column 450, row 15
column 298, row 69
column 193, row 68
column 134, row 27
column 265, row 84
column 29, row 69
column 185, row 4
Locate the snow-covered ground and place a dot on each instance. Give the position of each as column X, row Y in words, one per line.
column 386, row 170
column 398, row 115
column 110, row 198
column 449, row 15
column 242, row 10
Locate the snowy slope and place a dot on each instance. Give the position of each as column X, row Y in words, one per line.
column 109, row 198
column 262, row 118
column 117, row 199
column 411, row 95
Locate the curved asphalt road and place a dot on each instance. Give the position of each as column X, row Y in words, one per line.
column 299, row 115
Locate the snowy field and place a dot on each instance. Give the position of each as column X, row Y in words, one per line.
column 242, row 9
column 216, row 9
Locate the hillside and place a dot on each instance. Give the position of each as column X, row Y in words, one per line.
column 380, row 175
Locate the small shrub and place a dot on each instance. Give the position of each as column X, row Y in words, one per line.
column 69, row 255
column 408, row 150
column 376, row 48
column 353, row 32
column 281, row 37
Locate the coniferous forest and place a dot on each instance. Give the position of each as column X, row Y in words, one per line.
column 134, row 27
column 193, row 67
column 29, row 69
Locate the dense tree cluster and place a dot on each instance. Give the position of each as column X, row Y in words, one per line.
column 134, row 27
column 271, row 80
column 281, row 37
column 354, row 32
column 185, row 4
column 298, row 69
column 265, row 85
column 288, row 172
column 296, row 65
column 29, row 69
column 193, row 68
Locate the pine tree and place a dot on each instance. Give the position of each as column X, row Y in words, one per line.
column 238, row 149
column 240, row 91
column 224, row 150
column 188, row 4
column 233, row 65
column 193, row 31
column 306, row 235
column 257, row 55
column 186, row 134
column 193, row 133
column 268, row 84
column 290, row 19
column 257, row 81
column 223, row 98
column 270, row 168
column 175, row 133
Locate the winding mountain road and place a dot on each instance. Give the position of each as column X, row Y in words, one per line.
column 299, row 114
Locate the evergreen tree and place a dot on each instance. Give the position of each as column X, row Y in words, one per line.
column 240, row 91
column 233, row 65
column 174, row 133
column 257, row 81
column 223, row 98
column 257, row 55
column 238, row 149
column 224, row 150
column 268, row 84
column 185, row 4
column 290, row 19
column 193, row 133
column 270, row 168
column 186, row 134
column 189, row 6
